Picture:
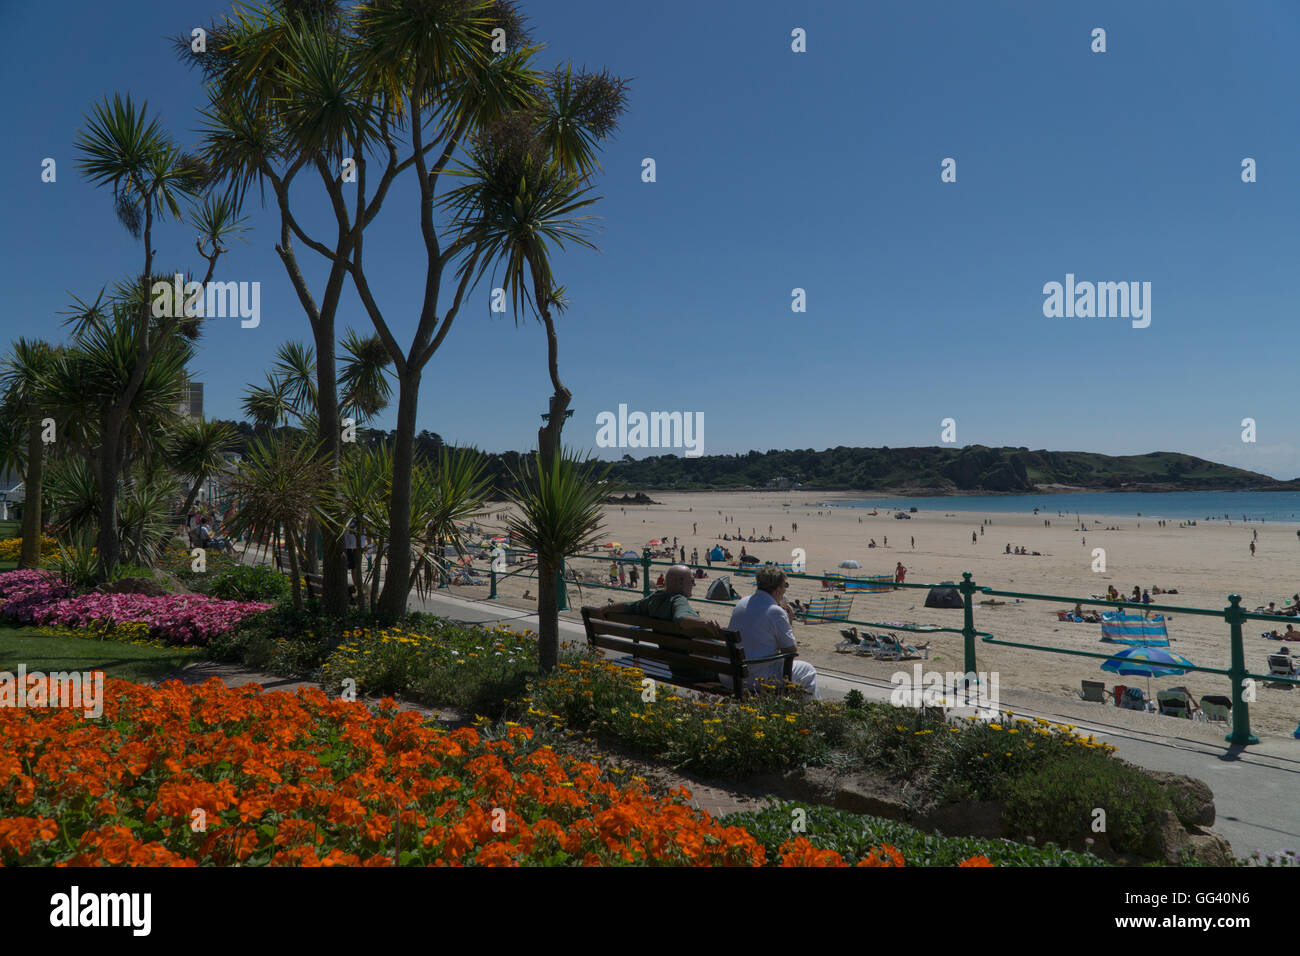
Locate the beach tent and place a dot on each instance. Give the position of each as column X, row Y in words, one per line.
column 721, row 590
column 1121, row 628
column 717, row 554
column 945, row 595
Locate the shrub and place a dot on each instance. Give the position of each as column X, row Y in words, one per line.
column 766, row 732
column 11, row 549
column 249, row 583
column 1056, row 802
column 283, row 640
column 436, row 662
column 854, row 838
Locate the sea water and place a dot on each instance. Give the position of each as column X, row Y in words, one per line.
column 1281, row 506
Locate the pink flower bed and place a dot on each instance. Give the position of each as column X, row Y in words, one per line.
column 23, row 594
column 175, row 618
column 39, row 597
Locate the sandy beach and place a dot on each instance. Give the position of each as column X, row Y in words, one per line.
column 1203, row 563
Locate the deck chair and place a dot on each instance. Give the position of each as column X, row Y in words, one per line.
column 868, row 645
column 898, row 650
column 1281, row 665
column 1216, row 708
column 1173, row 703
column 1095, row 691
column 887, row 648
column 1135, row 699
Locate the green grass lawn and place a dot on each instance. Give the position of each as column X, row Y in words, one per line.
column 39, row 652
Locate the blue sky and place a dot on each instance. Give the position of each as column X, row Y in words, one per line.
column 819, row 171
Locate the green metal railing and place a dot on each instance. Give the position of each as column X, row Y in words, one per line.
column 1234, row 615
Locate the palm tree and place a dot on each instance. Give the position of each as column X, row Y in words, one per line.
column 198, row 448
column 280, row 483
column 87, row 384
column 150, row 177
column 560, row 512
column 23, row 380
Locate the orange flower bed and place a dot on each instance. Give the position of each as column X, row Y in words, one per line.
column 184, row 776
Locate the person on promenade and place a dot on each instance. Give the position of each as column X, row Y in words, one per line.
column 672, row 603
column 766, row 627
column 631, row 573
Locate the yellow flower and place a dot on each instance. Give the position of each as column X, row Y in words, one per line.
column 758, row 735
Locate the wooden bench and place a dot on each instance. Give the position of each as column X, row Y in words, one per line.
column 315, row 582
column 828, row 609
column 656, row 646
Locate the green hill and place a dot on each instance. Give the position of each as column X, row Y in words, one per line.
column 939, row 470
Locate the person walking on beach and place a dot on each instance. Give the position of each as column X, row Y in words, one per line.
column 1252, row 549
column 913, row 542
column 900, row 573
column 632, row 575
column 973, row 537
column 622, row 577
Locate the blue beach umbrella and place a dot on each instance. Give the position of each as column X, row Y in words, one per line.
column 1148, row 662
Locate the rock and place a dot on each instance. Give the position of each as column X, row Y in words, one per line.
column 1168, row 839
column 976, row 818
column 147, row 586
column 1211, row 849
column 869, row 796
column 1192, row 799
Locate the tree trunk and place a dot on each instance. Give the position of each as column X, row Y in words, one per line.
column 548, row 436
column 291, row 543
column 309, row 544
column 548, row 447
column 32, row 488
column 194, row 493
column 110, row 448
column 334, row 569
column 548, row 617
column 397, row 581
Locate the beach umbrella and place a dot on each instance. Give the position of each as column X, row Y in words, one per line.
column 1148, row 662
column 655, row 541
column 850, row 563
column 613, row 544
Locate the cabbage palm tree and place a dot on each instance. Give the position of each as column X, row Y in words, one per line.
column 199, row 448
column 151, row 178
column 23, row 381
column 280, row 483
column 560, row 512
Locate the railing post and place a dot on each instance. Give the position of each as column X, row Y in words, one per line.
column 967, row 589
column 493, row 592
column 1241, row 734
column 645, row 569
column 561, row 592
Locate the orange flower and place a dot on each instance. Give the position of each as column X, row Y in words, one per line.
column 980, row 860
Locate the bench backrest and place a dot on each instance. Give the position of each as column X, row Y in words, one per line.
column 661, row 641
